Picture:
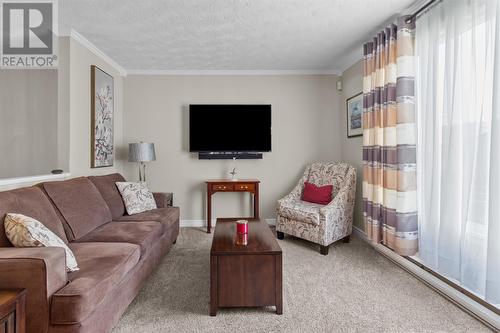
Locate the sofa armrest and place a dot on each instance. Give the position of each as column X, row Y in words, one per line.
column 337, row 216
column 338, row 206
column 39, row 270
column 163, row 199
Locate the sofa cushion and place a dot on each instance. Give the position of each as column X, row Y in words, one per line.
column 145, row 234
column 167, row 216
column 300, row 210
column 80, row 204
column 317, row 194
column 106, row 185
column 102, row 267
column 29, row 201
column 137, row 197
column 25, row 231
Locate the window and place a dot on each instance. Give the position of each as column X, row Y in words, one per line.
column 458, row 152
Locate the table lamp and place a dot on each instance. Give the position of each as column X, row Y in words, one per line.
column 141, row 152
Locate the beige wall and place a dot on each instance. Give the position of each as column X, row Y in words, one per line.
column 63, row 124
column 28, row 126
column 308, row 124
column 352, row 148
column 80, row 61
column 70, row 100
column 306, row 127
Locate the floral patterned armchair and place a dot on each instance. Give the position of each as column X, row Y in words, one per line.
column 321, row 224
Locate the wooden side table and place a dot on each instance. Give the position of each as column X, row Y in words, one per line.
column 228, row 185
column 12, row 310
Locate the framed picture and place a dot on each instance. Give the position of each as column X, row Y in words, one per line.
column 354, row 109
column 102, row 108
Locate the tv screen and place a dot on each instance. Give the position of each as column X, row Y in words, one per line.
column 229, row 128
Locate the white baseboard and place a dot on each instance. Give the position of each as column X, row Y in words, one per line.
column 271, row 221
column 194, row 223
column 477, row 310
column 203, row 223
column 358, row 232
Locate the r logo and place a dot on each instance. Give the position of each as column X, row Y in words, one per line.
column 27, row 28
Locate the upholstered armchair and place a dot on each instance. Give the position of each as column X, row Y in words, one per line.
column 321, row 224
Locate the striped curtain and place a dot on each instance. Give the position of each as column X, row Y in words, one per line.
column 389, row 139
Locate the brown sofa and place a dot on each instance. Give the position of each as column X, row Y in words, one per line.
column 116, row 252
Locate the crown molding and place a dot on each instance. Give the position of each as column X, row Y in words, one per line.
column 231, row 72
column 95, row 50
column 355, row 55
column 351, row 58
column 75, row 35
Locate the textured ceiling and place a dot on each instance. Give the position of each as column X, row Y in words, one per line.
column 229, row 34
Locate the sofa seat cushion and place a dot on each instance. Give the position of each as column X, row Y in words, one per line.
column 167, row 216
column 106, row 185
column 80, row 204
column 102, row 267
column 144, row 233
column 300, row 210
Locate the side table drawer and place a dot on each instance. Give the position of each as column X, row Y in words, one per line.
column 244, row 187
column 222, row 187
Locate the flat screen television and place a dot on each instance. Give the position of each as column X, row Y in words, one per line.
column 229, row 128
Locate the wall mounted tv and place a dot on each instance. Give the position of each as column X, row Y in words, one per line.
column 229, row 130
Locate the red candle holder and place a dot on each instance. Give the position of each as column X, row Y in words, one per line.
column 241, row 232
column 241, row 239
column 242, row 226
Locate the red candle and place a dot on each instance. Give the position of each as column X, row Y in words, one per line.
column 242, row 226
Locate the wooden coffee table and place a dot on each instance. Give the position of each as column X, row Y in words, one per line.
column 245, row 276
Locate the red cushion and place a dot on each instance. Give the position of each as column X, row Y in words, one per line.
column 317, row 194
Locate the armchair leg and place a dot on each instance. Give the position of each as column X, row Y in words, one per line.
column 346, row 239
column 280, row 235
column 323, row 250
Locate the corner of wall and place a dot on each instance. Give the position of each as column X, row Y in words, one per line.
column 352, row 148
column 83, row 54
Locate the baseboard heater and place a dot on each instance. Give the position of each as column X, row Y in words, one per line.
column 229, row 155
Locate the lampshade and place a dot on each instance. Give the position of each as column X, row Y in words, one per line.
column 141, row 152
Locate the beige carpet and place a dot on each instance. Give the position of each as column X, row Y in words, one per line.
column 353, row 289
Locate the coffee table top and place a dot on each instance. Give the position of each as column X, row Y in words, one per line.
column 261, row 239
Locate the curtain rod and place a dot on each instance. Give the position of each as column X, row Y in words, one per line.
column 419, row 11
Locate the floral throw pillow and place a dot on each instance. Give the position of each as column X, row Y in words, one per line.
column 24, row 231
column 136, row 197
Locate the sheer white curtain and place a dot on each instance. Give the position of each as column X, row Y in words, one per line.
column 458, row 151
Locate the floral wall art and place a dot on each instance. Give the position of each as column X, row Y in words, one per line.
column 102, row 108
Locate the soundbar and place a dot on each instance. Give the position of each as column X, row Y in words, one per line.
column 229, row 155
